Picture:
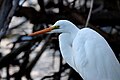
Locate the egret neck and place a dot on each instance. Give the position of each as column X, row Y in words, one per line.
column 73, row 32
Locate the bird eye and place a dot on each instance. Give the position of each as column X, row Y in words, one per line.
column 56, row 27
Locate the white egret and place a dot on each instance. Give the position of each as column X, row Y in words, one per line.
column 86, row 51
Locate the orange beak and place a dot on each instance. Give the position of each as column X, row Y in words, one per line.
column 42, row 31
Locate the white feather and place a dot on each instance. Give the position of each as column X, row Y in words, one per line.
column 87, row 52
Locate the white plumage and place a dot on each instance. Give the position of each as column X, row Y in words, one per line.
column 87, row 52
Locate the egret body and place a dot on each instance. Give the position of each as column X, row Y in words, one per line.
column 86, row 51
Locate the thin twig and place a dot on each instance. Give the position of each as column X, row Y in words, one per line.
column 89, row 15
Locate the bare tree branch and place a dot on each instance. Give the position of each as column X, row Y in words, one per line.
column 4, row 11
column 7, row 16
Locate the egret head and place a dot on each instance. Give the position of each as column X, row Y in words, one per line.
column 60, row 26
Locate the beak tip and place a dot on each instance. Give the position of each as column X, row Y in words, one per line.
column 32, row 34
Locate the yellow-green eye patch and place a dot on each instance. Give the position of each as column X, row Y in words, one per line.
column 56, row 27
